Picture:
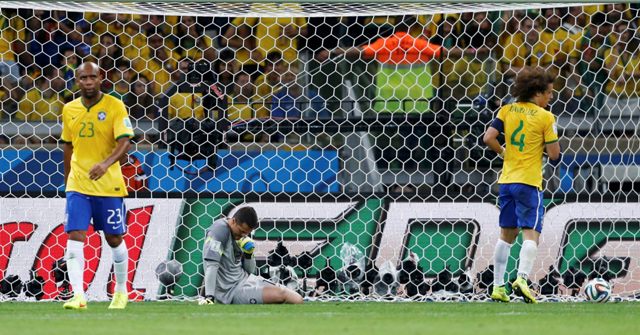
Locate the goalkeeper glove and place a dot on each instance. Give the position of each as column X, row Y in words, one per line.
column 208, row 300
column 247, row 245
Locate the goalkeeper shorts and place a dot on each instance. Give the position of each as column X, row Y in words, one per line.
column 250, row 290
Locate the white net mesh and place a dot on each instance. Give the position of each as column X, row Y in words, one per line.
column 367, row 164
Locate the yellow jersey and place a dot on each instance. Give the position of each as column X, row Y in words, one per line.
column 36, row 106
column 93, row 132
column 517, row 54
column 527, row 128
column 11, row 30
column 270, row 33
column 186, row 105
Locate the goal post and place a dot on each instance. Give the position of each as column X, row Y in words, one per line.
column 366, row 164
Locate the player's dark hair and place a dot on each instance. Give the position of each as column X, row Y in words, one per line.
column 248, row 216
column 531, row 81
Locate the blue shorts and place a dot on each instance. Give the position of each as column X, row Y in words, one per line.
column 108, row 213
column 521, row 206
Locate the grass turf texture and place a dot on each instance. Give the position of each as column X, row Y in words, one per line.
column 169, row 318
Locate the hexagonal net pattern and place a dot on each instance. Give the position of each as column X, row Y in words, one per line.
column 356, row 131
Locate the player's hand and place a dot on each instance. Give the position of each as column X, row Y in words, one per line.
column 208, row 300
column 247, row 245
column 97, row 171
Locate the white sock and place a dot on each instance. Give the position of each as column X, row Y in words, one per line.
column 527, row 256
column 500, row 259
column 120, row 266
column 75, row 266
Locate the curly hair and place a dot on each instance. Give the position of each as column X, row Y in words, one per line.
column 531, row 81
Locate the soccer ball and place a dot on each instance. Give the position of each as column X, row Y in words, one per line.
column 598, row 290
column 169, row 272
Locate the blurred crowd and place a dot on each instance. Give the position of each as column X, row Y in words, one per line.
column 286, row 68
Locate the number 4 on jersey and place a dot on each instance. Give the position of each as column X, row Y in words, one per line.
column 518, row 143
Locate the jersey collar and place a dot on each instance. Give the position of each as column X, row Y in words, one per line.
column 97, row 101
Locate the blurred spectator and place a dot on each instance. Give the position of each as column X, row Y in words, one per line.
column 240, row 102
column 139, row 100
column 617, row 12
column 224, row 66
column 449, row 34
column 192, row 41
column 69, row 65
column 323, row 33
column 592, row 48
column 155, row 24
column 12, row 34
column 560, row 46
column 479, row 35
column 119, row 86
column 108, row 52
column 556, row 37
column 72, row 25
column 575, row 21
column 41, row 103
column 109, row 23
column 45, row 43
column 623, row 63
column 161, row 63
column 243, row 42
column 573, row 93
column 268, row 83
column 287, row 102
column 523, row 48
column 512, row 21
column 72, row 22
column 133, row 41
column 242, row 105
column 10, row 95
column 186, row 103
column 255, row 38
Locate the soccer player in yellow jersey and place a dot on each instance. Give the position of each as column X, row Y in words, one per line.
column 95, row 131
column 528, row 130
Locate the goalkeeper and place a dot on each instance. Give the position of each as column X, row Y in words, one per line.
column 229, row 265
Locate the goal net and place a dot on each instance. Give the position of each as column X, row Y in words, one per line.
column 366, row 165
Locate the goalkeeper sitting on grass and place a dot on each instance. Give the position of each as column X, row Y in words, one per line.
column 229, row 265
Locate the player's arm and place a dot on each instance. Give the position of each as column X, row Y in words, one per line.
column 122, row 147
column 248, row 261
column 553, row 151
column 67, row 146
column 551, row 143
column 249, row 264
column 210, row 279
column 211, row 255
column 491, row 136
column 68, row 152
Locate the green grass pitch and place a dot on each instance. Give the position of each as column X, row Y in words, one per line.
column 183, row 318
